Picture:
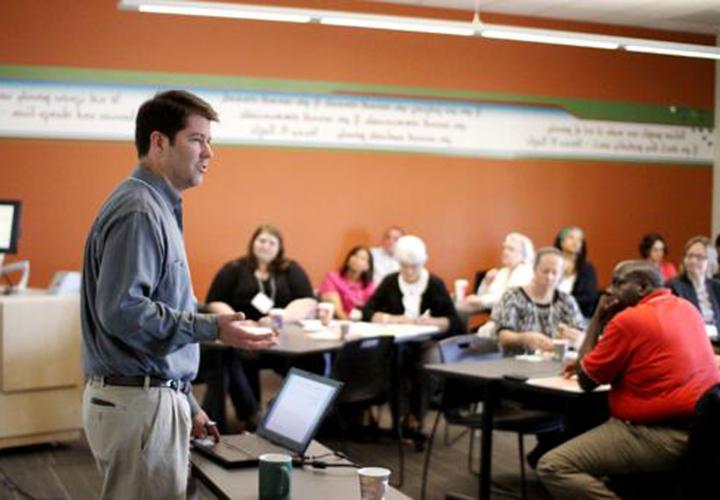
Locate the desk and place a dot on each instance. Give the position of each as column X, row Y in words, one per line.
column 488, row 376
column 307, row 483
column 41, row 380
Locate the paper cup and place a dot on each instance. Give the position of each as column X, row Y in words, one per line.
column 460, row 289
column 277, row 319
column 325, row 312
column 373, row 482
column 560, row 348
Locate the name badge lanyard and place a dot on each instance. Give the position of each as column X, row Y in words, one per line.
column 273, row 288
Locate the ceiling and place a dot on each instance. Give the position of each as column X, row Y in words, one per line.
column 693, row 16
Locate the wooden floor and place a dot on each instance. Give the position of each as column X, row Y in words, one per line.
column 67, row 471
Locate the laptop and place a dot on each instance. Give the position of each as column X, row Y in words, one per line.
column 288, row 425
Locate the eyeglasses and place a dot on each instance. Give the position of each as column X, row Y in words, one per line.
column 697, row 256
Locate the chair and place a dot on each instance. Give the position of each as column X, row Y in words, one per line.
column 702, row 460
column 459, row 406
column 363, row 366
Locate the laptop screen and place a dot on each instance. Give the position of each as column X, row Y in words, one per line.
column 298, row 409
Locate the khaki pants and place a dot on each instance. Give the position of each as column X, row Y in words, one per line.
column 574, row 470
column 140, row 440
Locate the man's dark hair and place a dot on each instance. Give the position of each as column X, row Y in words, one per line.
column 167, row 112
column 647, row 243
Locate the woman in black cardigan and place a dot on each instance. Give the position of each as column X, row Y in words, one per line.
column 694, row 284
column 414, row 296
column 262, row 279
column 579, row 276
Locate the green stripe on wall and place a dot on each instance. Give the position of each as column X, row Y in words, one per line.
column 585, row 109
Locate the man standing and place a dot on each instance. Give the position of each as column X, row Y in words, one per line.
column 139, row 315
column 652, row 348
column 384, row 261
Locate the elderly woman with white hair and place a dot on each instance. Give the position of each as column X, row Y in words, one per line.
column 516, row 258
column 413, row 295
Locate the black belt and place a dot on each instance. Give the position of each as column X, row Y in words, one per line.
column 141, row 381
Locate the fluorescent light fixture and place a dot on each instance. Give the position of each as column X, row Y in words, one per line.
column 217, row 9
column 419, row 25
column 401, row 24
column 548, row 36
column 670, row 50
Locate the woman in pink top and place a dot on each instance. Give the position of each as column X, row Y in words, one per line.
column 654, row 249
column 350, row 288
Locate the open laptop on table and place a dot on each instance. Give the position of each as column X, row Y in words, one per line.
column 287, row 427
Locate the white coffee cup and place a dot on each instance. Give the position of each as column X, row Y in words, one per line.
column 373, row 482
column 460, row 289
column 325, row 312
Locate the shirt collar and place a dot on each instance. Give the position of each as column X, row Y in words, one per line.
column 655, row 294
column 161, row 185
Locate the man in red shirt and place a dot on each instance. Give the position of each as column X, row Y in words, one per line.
column 651, row 347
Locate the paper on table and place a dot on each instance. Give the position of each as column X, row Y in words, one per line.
column 312, row 325
column 535, row 358
column 324, row 335
column 562, row 384
column 257, row 330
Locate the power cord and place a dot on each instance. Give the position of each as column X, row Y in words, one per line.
column 316, row 462
column 11, row 485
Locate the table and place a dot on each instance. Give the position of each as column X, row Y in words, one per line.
column 307, row 483
column 489, row 376
column 311, row 337
column 297, row 339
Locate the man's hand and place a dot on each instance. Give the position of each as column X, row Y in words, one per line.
column 569, row 333
column 608, row 306
column 232, row 333
column 570, row 368
column 203, row 427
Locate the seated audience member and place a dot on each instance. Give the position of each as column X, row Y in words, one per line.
column 636, row 325
column 528, row 318
column 413, row 296
column 253, row 284
column 516, row 258
column 654, row 249
column 384, row 261
column 579, row 277
column 694, row 283
column 352, row 286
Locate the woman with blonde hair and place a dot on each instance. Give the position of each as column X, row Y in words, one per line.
column 516, row 258
column 695, row 284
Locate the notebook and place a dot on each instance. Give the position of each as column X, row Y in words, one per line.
column 288, row 426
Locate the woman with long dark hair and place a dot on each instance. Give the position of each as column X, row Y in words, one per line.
column 351, row 286
column 579, row 276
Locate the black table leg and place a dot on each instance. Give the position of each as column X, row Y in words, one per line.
column 489, row 403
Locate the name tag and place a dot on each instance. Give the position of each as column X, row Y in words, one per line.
column 711, row 331
column 262, row 303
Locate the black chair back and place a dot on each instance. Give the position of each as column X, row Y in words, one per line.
column 363, row 366
column 703, row 450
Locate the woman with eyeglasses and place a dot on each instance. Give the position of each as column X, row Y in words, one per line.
column 695, row 284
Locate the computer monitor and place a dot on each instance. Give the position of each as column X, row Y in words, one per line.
column 9, row 225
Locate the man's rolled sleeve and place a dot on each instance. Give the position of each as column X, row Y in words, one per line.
column 206, row 327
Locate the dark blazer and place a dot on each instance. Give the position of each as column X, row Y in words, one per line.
column 388, row 299
column 585, row 289
column 683, row 287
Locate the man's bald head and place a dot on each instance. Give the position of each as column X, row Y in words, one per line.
column 644, row 273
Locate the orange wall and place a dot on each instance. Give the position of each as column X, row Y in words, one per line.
column 326, row 201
